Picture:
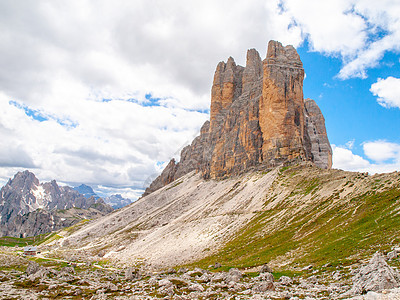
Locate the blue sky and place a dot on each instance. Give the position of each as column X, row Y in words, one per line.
column 352, row 112
column 105, row 93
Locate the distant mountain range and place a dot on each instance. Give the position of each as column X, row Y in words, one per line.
column 116, row 201
column 28, row 207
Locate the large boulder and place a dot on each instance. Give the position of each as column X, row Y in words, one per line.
column 375, row 276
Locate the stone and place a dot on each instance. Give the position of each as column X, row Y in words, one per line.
column 234, row 275
column 258, row 118
column 265, row 269
column 69, row 270
column 130, row 273
column 392, row 255
column 265, row 277
column 263, row 287
column 375, row 276
column 218, row 277
column 195, row 287
column 204, row 278
column 165, row 283
column 171, row 271
column 312, row 279
column 32, row 268
column 285, row 280
column 217, row 265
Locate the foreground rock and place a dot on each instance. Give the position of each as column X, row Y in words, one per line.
column 376, row 276
column 30, row 280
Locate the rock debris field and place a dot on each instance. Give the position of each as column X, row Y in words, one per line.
column 22, row 278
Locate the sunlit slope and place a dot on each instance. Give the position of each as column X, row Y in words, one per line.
column 318, row 217
column 289, row 216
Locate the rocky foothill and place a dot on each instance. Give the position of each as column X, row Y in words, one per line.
column 22, row 278
column 258, row 118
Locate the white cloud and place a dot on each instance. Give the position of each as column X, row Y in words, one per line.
column 345, row 159
column 388, row 91
column 385, row 157
column 382, row 151
column 358, row 31
column 61, row 59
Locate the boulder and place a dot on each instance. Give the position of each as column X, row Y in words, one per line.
column 265, row 269
column 285, row 280
column 32, row 268
column 375, row 276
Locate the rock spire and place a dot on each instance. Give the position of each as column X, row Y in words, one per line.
column 258, row 117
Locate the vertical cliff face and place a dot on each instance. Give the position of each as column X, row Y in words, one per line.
column 320, row 149
column 282, row 105
column 258, row 117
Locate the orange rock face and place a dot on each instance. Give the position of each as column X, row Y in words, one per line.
column 282, row 105
column 258, row 118
column 225, row 84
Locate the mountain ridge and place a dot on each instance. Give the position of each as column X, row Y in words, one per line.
column 28, row 207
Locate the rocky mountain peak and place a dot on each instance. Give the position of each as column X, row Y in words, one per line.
column 258, row 118
column 23, row 180
column 277, row 54
column 24, row 194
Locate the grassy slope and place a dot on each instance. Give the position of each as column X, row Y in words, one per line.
column 313, row 224
column 39, row 239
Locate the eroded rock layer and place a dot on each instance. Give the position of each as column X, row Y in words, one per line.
column 258, row 117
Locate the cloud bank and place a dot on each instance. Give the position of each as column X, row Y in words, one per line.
column 105, row 93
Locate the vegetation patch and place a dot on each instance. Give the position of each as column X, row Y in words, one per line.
column 10, row 241
column 175, row 185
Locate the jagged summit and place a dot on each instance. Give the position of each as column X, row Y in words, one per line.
column 28, row 207
column 258, row 117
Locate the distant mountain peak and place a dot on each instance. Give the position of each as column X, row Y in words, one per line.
column 86, row 191
column 24, row 194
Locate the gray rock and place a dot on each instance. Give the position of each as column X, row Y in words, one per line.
column 69, row 270
column 306, row 268
column 218, row 277
column 129, row 273
column 165, row 283
column 32, row 268
column 377, row 275
column 392, row 255
column 265, row 269
column 171, row 271
column 204, row 278
column 234, row 275
column 285, row 280
column 263, row 287
column 319, row 146
column 183, row 270
column 312, row 279
column 196, row 287
column 265, row 277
